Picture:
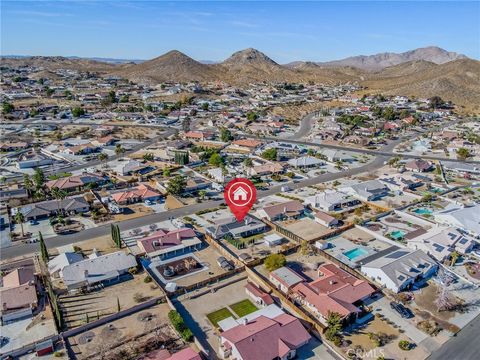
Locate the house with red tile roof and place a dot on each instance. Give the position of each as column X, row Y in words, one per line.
column 264, row 338
column 136, row 194
column 244, row 145
column 334, row 291
column 166, row 244
column 199, row 135
column 258, row 295
column 76, row 182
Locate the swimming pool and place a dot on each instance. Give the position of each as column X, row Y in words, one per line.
column 423, row 211
column 397, row 234
column 354, row 253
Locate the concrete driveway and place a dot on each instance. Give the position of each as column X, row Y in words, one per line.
column 382, row 306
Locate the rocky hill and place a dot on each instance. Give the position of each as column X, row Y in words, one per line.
column 379, row 61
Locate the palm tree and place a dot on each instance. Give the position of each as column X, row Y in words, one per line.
column 20, row 218
column 119, row 149
column 202, row 194
column 102, row 157
column 59, row 195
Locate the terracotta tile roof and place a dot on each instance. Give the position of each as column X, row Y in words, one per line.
column 163, row 239
column 335, row 290
column 142, row 191
column 19, row 297
column 18, row 277
column 265, row 338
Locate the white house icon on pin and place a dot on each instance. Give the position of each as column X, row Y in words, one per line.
column 240, row 194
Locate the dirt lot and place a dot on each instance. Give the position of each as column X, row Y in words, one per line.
column 105, row 301
column 96, row 341
column 391, row 349
column 425, row 300
column 307, row 229
column 134, row 211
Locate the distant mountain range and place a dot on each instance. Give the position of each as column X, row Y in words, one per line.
column 380, row 61
column 422, row 72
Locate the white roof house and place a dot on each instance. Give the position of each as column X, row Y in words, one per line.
column 331, row 200
column 368, row 190
column 305, row 161
column 467, row 219
column 400, row 269
column 439, row 242
column 102, row 269
column 58, row 263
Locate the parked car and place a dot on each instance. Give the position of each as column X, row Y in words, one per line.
column 402, row 310
column 33, row 222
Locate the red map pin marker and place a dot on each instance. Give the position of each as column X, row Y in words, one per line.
column 240, row 194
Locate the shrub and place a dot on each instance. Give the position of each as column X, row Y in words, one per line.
column 58, row 354
column 147, row 279
column 138, row 297
column 404, row 345
column 179, row 325
column 275, row 261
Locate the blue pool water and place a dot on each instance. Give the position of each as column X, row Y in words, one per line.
column 397, row 234
column 423, row 211
column 354, row 253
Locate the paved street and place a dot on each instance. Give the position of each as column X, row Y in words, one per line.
column 464, row 346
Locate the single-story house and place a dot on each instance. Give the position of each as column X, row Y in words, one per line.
column 264, row 338
column 18, row 295
column 335, row 290
column 400, row 269
column 332, row 201
column 165, row 243
column 287, row 210
column 285, row 279
column 367, row 191
column 439, row 242
column 141, row 192
column 58, row 263
column 465, row 218
column 237, row 229
column 418, row 165
column 44, row 209
column 77, row 182
column 305, row 162
column 325, row 219
column 103, row 269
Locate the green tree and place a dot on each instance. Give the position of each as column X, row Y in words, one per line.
column 463, row 153
column 20, row 219
column 251, row 116
column 186, row 123
column 454, row 257
column 119, row 150
column 49, row 91
column 148, row 157
column 216, row 159
column 116, row 236
column 59, row 195
column 225, row 135
column 202, row 194
column 43, row 248
column 334, row 325
column 270, row 154
column 78, row 111
column 124, row 99
column 167, row 172
column 7, row 108
column 248, row 162
column 39, row 178
column 275, row 261
column 205, row 106
column 102, row 157
column 28, row 183
column 176, row 185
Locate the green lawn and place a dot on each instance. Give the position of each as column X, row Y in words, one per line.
column 243, row 307
column 219, row 315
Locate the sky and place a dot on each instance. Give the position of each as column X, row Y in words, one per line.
column 284, row 30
